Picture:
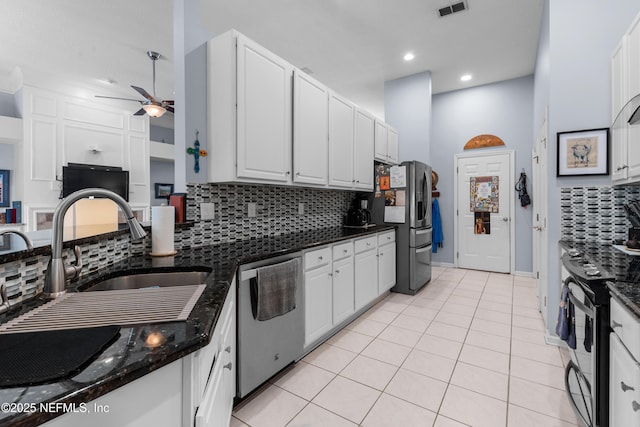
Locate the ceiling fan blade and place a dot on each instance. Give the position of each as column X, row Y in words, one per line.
column 170, row 109
column 143, row 93
column 115, row 97
column 140, row 112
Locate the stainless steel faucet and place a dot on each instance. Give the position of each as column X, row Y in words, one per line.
column 26, row 239
column 57, row 273
column 4, row 300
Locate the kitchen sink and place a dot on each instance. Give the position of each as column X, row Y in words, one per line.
column 151, row 280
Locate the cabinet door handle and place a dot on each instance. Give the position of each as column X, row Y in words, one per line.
column 381, row 253
column 297, row 173
column 228, row 366
column 320, row 258
column 616, row 324
column 330, row 274
column 625, row 387
column 344, row 251
column 228, row 349
column 337, row 271
column 636, row 406
column 288, row 173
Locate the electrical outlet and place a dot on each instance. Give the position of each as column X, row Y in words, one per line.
column 207, row 211
column 301, row 208
column 251, row 210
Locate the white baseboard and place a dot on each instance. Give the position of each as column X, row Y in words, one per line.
column 554, row 340
column 442, row 264
column 524, row 274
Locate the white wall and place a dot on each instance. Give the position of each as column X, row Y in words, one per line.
column 574, row 76
column 504, row 109
column 161, row 172
column 407, row 105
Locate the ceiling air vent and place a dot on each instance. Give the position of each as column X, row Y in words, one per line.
column 452, row 8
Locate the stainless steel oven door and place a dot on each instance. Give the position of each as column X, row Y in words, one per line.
column 580, row 375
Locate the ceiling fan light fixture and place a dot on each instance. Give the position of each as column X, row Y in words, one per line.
column 154, row 110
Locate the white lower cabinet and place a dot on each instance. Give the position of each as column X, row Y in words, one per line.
column 153, row 400
column 318, row 303
column 343, row 282
column 341, row 279
column 624, row 367
column 214, row 409
column 366, row 271
column 386, row 267
column 624, row 386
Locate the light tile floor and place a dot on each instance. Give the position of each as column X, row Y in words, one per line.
column 468, row 350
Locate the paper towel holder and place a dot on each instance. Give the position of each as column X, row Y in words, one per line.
column 165, row 248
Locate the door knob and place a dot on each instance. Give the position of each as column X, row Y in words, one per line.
column 228, row 366
column 537, row 228
column 505, row 219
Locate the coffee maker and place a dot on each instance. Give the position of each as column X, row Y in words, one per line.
column 359, row 214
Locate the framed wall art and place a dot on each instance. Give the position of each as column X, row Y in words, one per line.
column 583, row 152
column 163, row 190
column 4, row 189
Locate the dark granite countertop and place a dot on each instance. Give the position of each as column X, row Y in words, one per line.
column 624, row 267
column 128, row 359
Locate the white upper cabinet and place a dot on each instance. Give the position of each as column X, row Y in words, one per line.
column 392, row 145
column 364, row 147
column 625, row 85
column 619, row 78
column 310, row 130
column 341, row 142
column 249, row 104
column 264, row 121
column 271, row 123
column 381, row 143
column 386, row 143
column 633, row 59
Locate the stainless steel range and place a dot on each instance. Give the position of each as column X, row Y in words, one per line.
column 587, row 374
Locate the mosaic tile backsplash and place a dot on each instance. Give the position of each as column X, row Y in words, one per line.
column 277, row 213
column 595, row 214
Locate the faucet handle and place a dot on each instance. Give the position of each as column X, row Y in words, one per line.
column 72, row 271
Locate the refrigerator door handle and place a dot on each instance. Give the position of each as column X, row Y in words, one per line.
column 424, row 195
column 425, row 249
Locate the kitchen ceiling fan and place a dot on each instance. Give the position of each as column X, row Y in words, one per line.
column 151, row 106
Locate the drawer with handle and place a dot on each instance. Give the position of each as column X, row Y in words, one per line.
column 317, row 258
column 626, row 326
column 388, row 237
column 365, row 244
column 342, row 250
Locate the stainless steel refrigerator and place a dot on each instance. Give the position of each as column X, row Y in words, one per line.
column 403, row 199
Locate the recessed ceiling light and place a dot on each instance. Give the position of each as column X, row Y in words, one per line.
column 409, row 56
column 465, row 77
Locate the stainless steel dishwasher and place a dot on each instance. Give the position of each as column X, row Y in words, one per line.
column 266, row 347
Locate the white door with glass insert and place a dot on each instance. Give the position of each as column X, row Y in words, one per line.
column 484, row 227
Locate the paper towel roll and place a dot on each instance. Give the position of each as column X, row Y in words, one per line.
column 162, row 230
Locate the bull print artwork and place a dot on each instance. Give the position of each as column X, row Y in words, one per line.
column 582, row 152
